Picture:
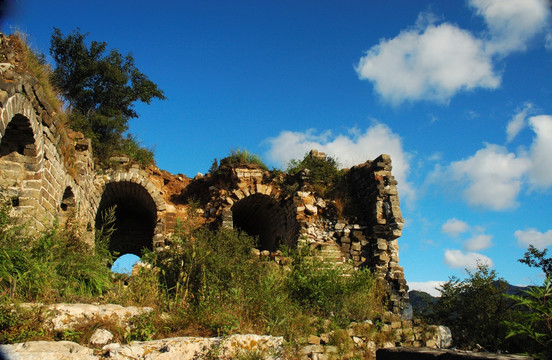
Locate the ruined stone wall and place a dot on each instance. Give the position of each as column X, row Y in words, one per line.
column 254, row 201
column 376, row 192
column 48, row 173
column 45, row 168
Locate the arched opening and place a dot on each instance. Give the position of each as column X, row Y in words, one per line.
column 263, row 217
column 18, row 139
column 17, row 154
column 67, row 205
column 135, row 217
column 124, row 264
column 68, row 200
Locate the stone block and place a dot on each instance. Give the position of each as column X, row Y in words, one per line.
column 382, row 244
column 314, row 340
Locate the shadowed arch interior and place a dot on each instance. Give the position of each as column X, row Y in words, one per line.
column 263, row 217
column 136, row 216
column 18, row 154
column 18, row 138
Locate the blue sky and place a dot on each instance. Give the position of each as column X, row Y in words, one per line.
column 457, row 92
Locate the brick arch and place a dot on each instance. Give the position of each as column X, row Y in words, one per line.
column 21, row 152
column 258, row 210
column 18, row 106
column 139, row 208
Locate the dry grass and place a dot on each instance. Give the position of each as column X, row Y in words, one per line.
column 31, row 63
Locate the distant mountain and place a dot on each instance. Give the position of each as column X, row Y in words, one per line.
column 423, row 303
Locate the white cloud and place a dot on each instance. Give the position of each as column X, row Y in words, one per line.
column 541, row 152
column 351, row 149
column 548, row 41
column 518, row 122
column 454, row 227
column 493, row 175
column 470, row 260
column 534, row 237
column 427, row 64
column 429, row 287
column 512, row 23
column 478, row 242
column 435, row 61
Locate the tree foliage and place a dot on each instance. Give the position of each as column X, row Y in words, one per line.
column 100, row 87
column 534, row 257
column 534, row 319
column 474, row 309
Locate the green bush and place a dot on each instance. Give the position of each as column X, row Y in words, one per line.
column 324, row 178
column 327, row 291
column 237, row 157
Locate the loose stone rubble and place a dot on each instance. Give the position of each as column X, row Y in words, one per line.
column 183, row 348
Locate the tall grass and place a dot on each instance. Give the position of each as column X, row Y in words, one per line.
column 207, row 280
column 211, row 277
column 53, row 265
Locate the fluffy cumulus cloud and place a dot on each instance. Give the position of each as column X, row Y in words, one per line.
column 493, row 176
column 540, row 174
column 349, row 149
column 435, row 61
column 429, row 287
column 534, row 237
column 454, row 227
column 512, row 23
column 428, row 64
column 518, row 122
column 478, row 242
column 470, row 260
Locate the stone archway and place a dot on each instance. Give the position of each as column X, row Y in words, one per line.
column 262, row 216
column 135, row 213
column 21, row 152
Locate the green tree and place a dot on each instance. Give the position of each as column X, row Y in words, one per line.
column 474, row 309
column 534, row 257
column 532, row 323
column 534, row 319
column 100, row 88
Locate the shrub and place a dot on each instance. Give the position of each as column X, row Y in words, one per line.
column 237, row 157
column 323, row 173
column 328, row 291
column 18, row 324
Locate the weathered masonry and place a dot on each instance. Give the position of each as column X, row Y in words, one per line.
column 48, row 173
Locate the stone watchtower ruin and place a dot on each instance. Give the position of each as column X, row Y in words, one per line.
column 48, row 173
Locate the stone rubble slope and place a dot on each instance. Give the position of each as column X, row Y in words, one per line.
column 182, row 348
